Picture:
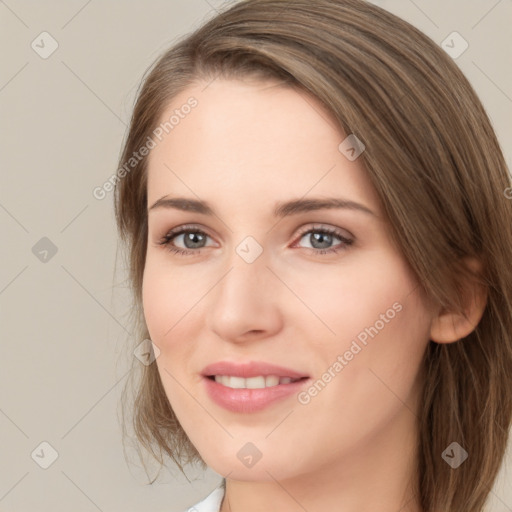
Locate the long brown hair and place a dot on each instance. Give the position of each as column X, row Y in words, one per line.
column 434, row 160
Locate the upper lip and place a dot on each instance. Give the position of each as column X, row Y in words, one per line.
column 250, row 369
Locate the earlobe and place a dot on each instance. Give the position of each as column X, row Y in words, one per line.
column 450, row 326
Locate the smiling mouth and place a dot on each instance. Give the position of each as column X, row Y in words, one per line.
column 258, row 382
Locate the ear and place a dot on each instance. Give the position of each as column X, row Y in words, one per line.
column 450, row 326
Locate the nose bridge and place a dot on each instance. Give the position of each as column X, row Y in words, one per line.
column 247, row 273
column 246, row 259
column 244, row 299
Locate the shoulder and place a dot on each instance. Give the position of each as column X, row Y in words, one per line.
column 211, row 503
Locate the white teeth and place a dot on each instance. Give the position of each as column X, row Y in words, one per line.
column 271, row 380
column 252, row 382
column 255, row 382
column 235, row 382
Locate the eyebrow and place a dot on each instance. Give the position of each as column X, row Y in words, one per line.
column 282, row 209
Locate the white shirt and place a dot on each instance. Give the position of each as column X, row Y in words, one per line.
column 211, row 503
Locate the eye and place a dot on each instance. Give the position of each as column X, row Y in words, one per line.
column 192, row 237
column 320, row 239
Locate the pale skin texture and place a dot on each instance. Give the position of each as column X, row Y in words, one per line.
column 245, row 147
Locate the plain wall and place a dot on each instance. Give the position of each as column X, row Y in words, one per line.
column 62, row 310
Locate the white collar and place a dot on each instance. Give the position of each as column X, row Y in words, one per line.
column 211, row 503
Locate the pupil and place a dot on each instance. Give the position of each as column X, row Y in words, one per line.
column 322, row 237
column 194, row 238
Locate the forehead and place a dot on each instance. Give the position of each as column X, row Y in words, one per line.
column 252, row 139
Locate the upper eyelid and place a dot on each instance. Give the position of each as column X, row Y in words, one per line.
column 180, row 230
column 320, row 227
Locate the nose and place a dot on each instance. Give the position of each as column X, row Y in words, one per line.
column 244, row 305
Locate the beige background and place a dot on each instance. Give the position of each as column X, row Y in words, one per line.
column 64, row 323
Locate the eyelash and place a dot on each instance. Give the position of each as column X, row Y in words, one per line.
column 166, row 240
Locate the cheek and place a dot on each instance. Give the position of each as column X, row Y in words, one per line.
column 350, row 297
column 379, row 326
column 169, row 312
column 168, row 299
column 175, row 301
column 158, row 310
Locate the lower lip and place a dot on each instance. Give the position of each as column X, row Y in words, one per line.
column 250, row 400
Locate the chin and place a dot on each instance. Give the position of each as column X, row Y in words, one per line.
column 234, row 467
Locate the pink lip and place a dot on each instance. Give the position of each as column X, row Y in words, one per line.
column 250, row 400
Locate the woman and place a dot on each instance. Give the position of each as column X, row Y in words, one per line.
column 319, row 236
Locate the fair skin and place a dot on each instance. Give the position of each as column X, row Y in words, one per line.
column 245, row 147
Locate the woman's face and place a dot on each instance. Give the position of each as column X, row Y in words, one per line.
column 261, row 282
